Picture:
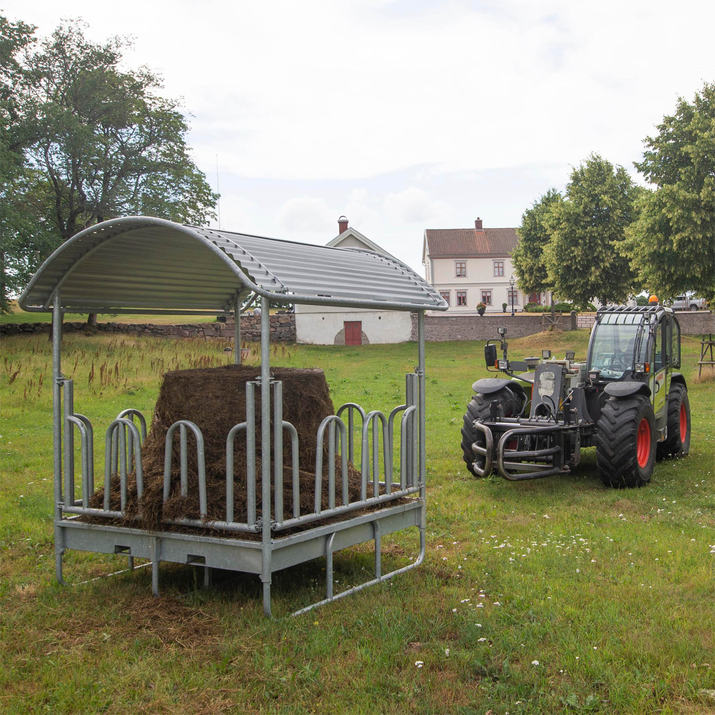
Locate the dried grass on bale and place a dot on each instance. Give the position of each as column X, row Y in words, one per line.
column 215, row 400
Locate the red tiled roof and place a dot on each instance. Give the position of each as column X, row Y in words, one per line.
column 448, row 242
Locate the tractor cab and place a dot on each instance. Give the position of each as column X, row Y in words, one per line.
column 636, row 345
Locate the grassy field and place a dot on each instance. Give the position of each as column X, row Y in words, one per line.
column 17, row 315
column 548, row 596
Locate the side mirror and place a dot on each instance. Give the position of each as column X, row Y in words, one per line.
column 490, row 355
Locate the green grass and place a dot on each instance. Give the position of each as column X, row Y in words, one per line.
column 610, row 591
column 17, row 315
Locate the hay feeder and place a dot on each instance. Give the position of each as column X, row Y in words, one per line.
column 143, row 264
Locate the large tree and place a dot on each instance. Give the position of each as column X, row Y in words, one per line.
column 584, row 255
column 99, row 141
column 528, row 256
column 16, row 235
column 672, row 243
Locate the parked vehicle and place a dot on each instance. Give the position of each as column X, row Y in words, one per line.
column 627, row 400
column 688, row 302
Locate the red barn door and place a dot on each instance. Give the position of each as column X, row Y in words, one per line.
column 353, row 332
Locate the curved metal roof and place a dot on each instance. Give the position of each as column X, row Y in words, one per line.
column 138, row 262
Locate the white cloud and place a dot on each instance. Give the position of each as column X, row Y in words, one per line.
column 414, row 205
column 404, row 113
column 305, row 214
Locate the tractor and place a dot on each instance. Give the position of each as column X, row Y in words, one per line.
column 627, row 400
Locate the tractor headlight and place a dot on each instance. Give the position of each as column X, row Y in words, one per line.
column 503, row 364
column 639, row 367
column 545, row 354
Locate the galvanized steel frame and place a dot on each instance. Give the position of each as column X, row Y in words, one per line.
column 274, row 552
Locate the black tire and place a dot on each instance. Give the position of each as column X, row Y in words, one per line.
column 510, row 405
column 678, row 440
column 626, row 442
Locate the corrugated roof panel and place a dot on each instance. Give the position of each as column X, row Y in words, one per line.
column 142, row 262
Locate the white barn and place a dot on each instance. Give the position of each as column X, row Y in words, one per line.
column 320, row 325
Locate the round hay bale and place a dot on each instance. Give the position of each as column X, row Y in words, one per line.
column 215, row 400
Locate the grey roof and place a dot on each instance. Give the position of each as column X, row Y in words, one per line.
column 135, row 263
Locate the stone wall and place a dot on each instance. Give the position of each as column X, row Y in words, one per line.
column 691, row 323
column 696, row 322
column 441, row 328
column 438, row 328
column 282, row 329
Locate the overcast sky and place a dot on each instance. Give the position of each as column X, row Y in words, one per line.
column 404, row 114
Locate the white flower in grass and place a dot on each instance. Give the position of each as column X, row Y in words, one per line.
column 419, row 663
column 446, row 652
column 481, row 640
column 535, row 662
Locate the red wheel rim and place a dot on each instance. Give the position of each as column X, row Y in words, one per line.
column 643, row 443
column 683, row 423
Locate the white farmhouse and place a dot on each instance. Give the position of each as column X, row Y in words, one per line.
column 321, row 325
column 469, row 266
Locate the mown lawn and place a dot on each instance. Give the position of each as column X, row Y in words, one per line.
column 556, row 595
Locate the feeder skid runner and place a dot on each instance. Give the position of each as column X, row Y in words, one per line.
column 627, row 400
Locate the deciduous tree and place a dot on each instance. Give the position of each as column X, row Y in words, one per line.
column 584, row 256
column 100, row 141
column 528, row 256
column 672, row 244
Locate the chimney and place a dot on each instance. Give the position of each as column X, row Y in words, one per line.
column 478, row 224
column 342, row 224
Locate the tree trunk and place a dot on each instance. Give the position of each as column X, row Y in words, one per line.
column 92, row 320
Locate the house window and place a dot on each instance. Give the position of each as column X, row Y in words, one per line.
column 460, row 269
column 445, row 294
column 461, row 297
column 498, row 268
column 513, row 297
column 487, row 297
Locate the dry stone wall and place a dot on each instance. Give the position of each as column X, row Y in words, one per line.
column 438, row 328
column 282, row 329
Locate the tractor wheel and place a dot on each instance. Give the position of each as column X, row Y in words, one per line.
column 678, row 439
column 479, row 408
column 625, row 443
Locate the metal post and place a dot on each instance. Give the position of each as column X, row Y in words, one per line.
column 237, row 332
column 57, row 430
column 266, row 454
column 422, row 428
column 68, row 410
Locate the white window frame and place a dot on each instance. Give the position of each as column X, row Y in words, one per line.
column 460, row 265
column 460, row 294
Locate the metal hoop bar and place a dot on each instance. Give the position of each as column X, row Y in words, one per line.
column 90, row 448
column 229, row 469
column 130, row 414
column 251, row 452
column 184, row 426
column 68, row 388
column 319, row 457
column 295, row 465
column 405, row 423
column 365, row 466
column 72, row 420
column 115, row 445
column 278, row 449
column 350, row 407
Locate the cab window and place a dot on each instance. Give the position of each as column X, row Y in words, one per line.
column 675, row 343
